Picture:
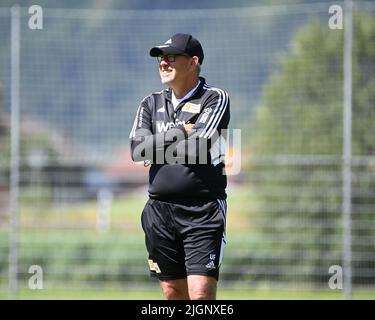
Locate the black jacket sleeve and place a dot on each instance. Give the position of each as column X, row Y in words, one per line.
column 214, row 117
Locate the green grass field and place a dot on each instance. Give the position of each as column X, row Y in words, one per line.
column 223, row 294
column 53, row 233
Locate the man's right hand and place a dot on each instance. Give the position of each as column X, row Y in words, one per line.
column 188, row 127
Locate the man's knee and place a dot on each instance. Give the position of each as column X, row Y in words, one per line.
column 175, row 289
column 202, row 287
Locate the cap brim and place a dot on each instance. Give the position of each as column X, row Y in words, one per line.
column 155, row 51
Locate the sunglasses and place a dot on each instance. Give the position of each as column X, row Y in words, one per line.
column 169, row 57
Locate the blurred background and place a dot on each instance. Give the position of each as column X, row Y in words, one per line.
column 304, row 200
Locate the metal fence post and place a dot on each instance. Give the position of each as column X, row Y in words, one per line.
column 15, row 146
column 347, row 148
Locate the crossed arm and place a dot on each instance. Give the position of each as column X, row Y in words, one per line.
column 187, row 143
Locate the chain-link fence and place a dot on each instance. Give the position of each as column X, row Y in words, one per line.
column 72, row 199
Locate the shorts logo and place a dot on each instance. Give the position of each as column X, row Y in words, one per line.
column 154, row 266
column 211, row 264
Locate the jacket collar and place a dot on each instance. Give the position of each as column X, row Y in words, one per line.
column 168, row 92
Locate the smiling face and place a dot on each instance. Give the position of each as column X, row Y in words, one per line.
column 174, row 68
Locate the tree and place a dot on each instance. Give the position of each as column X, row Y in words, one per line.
column 301, row 114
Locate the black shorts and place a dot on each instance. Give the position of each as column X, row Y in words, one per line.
column 184, row 239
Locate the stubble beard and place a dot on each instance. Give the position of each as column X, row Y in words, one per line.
column 167, row 80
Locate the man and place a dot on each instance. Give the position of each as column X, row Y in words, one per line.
column 178, row 131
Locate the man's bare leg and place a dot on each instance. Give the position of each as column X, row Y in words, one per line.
column 202, row 287
column 175, row 289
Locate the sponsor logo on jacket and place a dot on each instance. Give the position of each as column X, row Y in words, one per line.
column 165, row 126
